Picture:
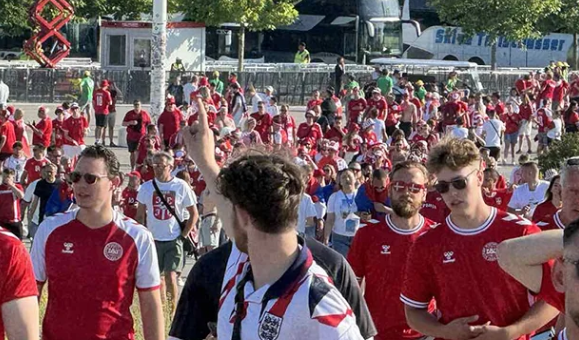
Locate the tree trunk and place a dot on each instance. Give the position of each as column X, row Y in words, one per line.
column 494, row 54
column 240, row 48
column 574, row 62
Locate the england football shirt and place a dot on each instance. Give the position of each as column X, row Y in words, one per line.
column 92, row 275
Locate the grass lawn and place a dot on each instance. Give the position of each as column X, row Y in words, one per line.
column 135, row 311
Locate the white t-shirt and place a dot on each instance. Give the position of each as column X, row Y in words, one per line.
column 493, row 128
column 4, row 93
column 557, row 130
column 160, row 222
column 378, row 127
column 305, row 210
column 343, row 206
column 459, row 133
column 187, row 90
column 29, row 195
column 522, row 196
column 16, row 164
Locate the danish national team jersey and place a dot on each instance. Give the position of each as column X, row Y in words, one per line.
column 92, row 275
column 16, row 276
column 434, row 208
column 548, row 292
column 551, row 222
column 459, row 268
column 301, row 304
column 378, row 254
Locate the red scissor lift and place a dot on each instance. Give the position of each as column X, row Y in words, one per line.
column 45, row 30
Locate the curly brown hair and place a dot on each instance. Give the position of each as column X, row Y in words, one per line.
column 268, row 186
column 452, row 153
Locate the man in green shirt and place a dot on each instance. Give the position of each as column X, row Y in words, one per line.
column 420, row 91
column 218, row 83
column 302, row 55
column 86, row 90
column 385, row 83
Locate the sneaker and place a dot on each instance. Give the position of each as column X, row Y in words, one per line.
column 113, row 145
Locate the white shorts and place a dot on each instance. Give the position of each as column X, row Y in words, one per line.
column 71, row 151
column 208, row 237
column 526, row 128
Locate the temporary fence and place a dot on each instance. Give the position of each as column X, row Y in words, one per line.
column 293, row 86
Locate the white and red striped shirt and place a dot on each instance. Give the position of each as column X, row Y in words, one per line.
column 92, row 275
column 9, row 204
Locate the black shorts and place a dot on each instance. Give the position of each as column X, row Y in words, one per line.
column 132, row 145
column 494, row 151
column 100, row 119
column 406, row 127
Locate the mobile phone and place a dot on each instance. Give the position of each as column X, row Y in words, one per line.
column 212, row 328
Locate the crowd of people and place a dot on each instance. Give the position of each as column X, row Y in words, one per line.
column 400, row 195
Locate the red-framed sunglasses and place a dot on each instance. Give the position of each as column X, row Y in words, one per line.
column 400, row 186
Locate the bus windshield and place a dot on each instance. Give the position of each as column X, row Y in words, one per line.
column 381, row 37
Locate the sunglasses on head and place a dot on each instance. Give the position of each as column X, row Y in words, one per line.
column 88, row 178
column 458, row 183
column 400, row 186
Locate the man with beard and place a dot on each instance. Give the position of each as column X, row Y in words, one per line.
column 265, row 250
column 456, row 263
column 379, row 250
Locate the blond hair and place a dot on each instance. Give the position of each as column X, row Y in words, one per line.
column 452, row 153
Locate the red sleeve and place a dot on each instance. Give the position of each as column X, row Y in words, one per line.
column 28, row 166
column 416, row 288
column 162, row 119
column 548, row 291
column 356, row 254
column 146, row 118
column 64, row 125
column 20, row 281
column 128, row 117
column 84, row 123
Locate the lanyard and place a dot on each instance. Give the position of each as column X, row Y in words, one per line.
column 350, row 201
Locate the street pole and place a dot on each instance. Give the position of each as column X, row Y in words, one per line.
column 158, row 59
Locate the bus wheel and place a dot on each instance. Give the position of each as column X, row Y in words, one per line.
column 476, row 60
column 450, row 57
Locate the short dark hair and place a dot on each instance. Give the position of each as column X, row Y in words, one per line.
column 9, row 172
column 17, row 144
column 492, row 173
column 109, row 157
column 268, row 186
column 379, row 174
column 570, row 231
column 303, row 44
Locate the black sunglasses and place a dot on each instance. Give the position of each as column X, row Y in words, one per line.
column 459, row 184
column 88, row 178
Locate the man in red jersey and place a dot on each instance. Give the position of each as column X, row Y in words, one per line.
column 569, row 195
column 18, row 301
column 524, row 85
column 310, row 129
column 169, row 121
column 356, row 107
column 456, row 263
column 548, row 88
column 450, row 112
column 130, row 203
column 7, row 136
column 378, row 101
column 10, row 195
column 102, row 101
column 57, row 132
column 316, row 100
column 42, row 131
column 263, row 122
column 94, row 258
column 288, row 123
column 434, row 208
column 337, row 131
column 378, row 252
column 33, row 166
column 75, row 128
column 493, row 197
column 136, row 122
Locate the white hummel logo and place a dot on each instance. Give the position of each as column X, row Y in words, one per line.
column 68, row 248
column 448, row 257
column 385, row 250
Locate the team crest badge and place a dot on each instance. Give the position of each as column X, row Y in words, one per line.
column 270, row 327
column 113, row 251
column 489, row 251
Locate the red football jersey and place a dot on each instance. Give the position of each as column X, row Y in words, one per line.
column 378, row 254
column 548, row 291
column 7, row 129
column 511, row 122
column 16, row 275
column 142, row 148
column 170, row 121
column 314, row 102
column 129, row 202
column 551, row 222
column 263, row 125
column 356, row 108
column 92, row 275
column 102, row 100
column 143, row 119
column 499, row 199
column 434, row 207
column 9, row 204
column 58, row 132
column 310, row 131
column 548, row 89
column 33, row 169
column 75, row 128
column 544, row 211
column 44, row 125
column 544, row 120
column 459, row 268
column 379, row 104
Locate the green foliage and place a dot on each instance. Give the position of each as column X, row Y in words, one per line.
column 559, row 151
column 14, row 20
column 254, row 14
column 566, row 20
column 514, row 19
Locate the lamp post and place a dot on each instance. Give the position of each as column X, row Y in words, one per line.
column 158, row 57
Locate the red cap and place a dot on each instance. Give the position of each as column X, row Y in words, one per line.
column 11, row 109
column 41, row 109
column 104, row 83
column 203, row 82
column 170, row 100
column 134, row 174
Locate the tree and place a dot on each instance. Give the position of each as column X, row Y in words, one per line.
column 559, row 151
column 513, row 19
column 254, row 15
column 15, row 18
column 566, row 21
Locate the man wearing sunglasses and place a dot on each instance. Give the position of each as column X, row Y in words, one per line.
column 456, row 263
column 94, row 258
column 378, row 252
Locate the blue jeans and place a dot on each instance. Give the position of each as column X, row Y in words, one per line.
column 341, row 243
